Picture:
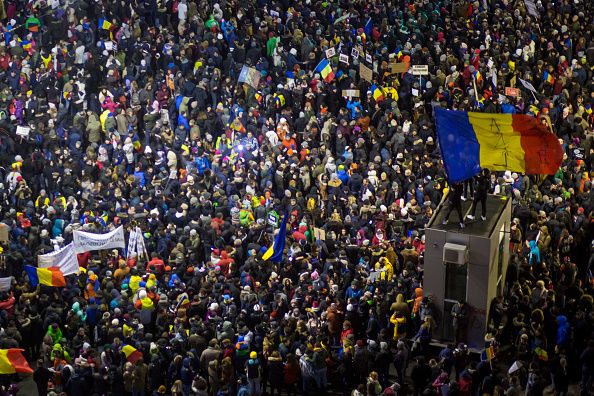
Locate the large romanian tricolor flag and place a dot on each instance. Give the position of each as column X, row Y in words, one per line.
column 12, row 361
column 325, row 70
column 499, row 142
column 132, row 354
column 51, row 276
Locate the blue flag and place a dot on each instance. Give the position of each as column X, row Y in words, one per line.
column 368, row 27
column 275, row 251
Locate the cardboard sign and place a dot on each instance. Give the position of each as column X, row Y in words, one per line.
column 344, row 58
column 401, row 67
column 355, row 53
column 330, row 52
column 354, row 93
column 108, row 45
column 365, row 72
column 419, row 70
column 320, row 234
column 3, row 233
column 513, row 92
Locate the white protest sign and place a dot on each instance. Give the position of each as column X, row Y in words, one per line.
column 344, row 58
column 5, row 283
column 86, row 241
column 419, row 70
column 136, row 244
column 330, row 52
column 23, row 131
column 64, row 259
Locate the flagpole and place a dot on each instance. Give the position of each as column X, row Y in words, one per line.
column 475, row 89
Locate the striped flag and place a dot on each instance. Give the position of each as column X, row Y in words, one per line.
column 377, row 93
column 541, row 354
column 12, row 361
column 488, row 354
column 275, row 251
column 325, row 70
column 106, row 25
column 132, row 354
column 51, row 276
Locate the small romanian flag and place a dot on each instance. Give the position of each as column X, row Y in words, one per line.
column 136, row 143
column 488, row 354
column 325, row 70
column 275, row 251
column 12, row 361
column 26, row 44
column 541, row 354
column 106, row 25
column 237, row 126
column 132, row 354
column 377, row 93
column 588, row 109
column 478, row 76
column 258, row 97
column 51, row 276
column 548, row 77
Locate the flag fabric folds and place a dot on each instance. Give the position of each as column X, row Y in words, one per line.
column 325, row 70
column 12, row 361
column 548, row 77
column 368, row 28
column 131, row 353
column 541, row 354
column 105, row 24
column 275, row 251
column 515, row 142
column 377, row 93
column 488, row 354
column 51, row 276
column 250, row 76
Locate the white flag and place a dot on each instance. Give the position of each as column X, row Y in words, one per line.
column 527, row 85
column 86, row 241
column 64, row 259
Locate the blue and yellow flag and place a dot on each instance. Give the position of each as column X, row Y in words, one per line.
column 275, row 251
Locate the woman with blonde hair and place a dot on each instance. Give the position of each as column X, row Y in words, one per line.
column 177, row 388
column 373, row 386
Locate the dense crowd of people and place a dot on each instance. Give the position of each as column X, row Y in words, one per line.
column 131, row 113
